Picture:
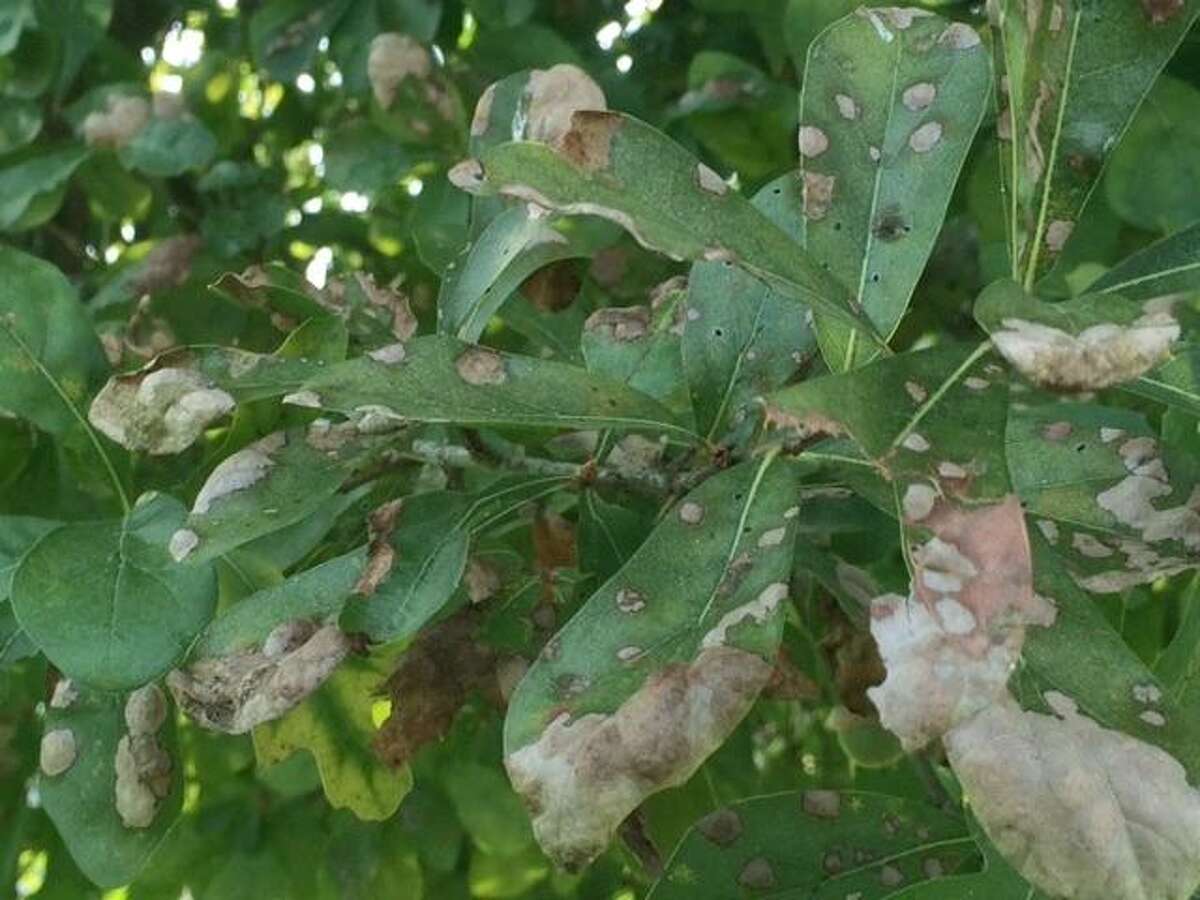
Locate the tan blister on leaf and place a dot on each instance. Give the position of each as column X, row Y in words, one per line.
column 1098, row 357
column 235, row 693
column 161, row 411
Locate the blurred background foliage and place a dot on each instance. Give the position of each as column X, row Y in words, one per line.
column 255, row 137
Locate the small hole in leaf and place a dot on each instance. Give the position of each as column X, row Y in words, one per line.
column 718, row 332
column 1079, row 448
column 875, row 277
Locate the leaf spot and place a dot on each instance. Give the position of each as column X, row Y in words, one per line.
column 813, row 141
column 479, row 366
column 919, row 97
column 57, row 752
column 691, row 513
column 926, row 137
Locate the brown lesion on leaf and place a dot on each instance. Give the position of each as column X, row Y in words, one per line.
column 381, row 555
column 620, row 323
column 445, row 665
column 481, row 366
column 891, row 225
column 1159, row 12
column 817, row 194
column 587, row 144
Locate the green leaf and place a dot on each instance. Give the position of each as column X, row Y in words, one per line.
column 804, row 20
column 169, row 147
column 314, row 594
column 335, row 724
column 819, row 844
column 49, row 354
column 740, row 115
column 514, row 245
column 609, row 534
column 113, row 192
column 1075, row 79
column 284, row 35
column 617, row 167
column 15, row 17
column 691, row 619
column 887, row 116
column 20, row 122
column 1176, row 383
column 139, row 612
column 735, row 351
column 31, row 189
column 17, row 535
column 15, row 644
column 82, row 800
column 1153, row 170
column 1169, row 266
column 932, row 416
column 426, row 551
column 362, row 158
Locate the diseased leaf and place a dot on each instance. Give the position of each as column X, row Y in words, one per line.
column 49, row 355
column 997, row 880
column 1153, row 172
column 335, row 725
column 111, row 777
column 950, row 646
column 440, row 670
column 613, row 166
column 734, row 351
column 1075, row 77
column 817, row 843
column 419, row 553
column 1090, row 342
column 275, row 482
column 1169, row 266
column 659, row 665
column 640, row 345
column 442, row 380
column 1084, row 657
column 929, row 421
column 883, row 134
column 434, row 379
column 1093, row 481
column 104, row 601
column 32, row 188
